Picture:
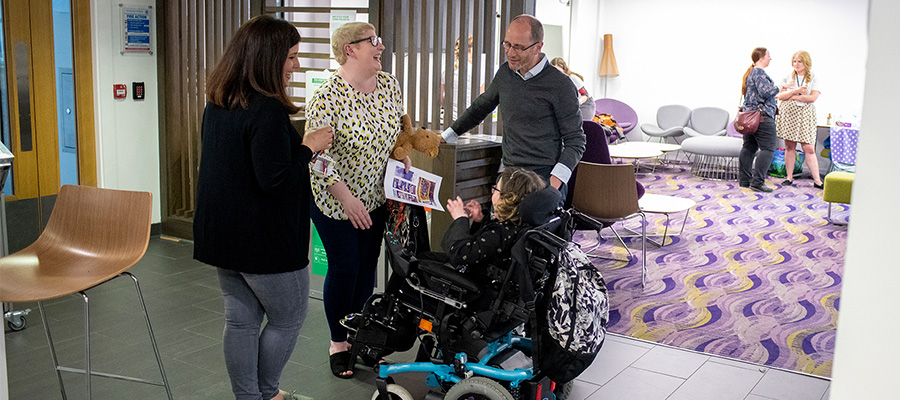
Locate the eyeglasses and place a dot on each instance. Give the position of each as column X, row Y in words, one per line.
column 375, row 40
column 516, row 47
column 494, row 188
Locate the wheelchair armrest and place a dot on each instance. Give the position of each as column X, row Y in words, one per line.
column 442, row 271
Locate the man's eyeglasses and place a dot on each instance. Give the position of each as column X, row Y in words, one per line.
column 375, row 40
column 516, row 47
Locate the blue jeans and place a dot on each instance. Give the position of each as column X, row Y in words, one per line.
column 763, row 141
column 352, row 264
column 255, row 359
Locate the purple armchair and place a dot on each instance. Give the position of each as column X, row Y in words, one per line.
column 596, row 150
column 621, row 112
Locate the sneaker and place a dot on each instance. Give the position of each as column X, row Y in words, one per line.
column 763, row 188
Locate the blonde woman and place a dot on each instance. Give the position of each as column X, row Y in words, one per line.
column 363, row 105
column 585, row 102
column 796, row 120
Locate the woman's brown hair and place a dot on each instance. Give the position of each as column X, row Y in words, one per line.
column 254, row 63
column 516, row 184
column 757, row 53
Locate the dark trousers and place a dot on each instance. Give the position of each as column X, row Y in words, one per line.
column 764, row 142
column 352, row 264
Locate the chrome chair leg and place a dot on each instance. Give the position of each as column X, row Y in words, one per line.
column 162, row 371
column 62, row 387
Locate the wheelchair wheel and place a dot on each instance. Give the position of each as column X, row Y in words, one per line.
column 563, row 390
column 396, row 392
column 478, row 388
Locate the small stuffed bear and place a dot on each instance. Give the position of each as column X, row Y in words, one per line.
column 422, row 140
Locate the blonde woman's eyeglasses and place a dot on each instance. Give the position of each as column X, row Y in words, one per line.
column 375, row 40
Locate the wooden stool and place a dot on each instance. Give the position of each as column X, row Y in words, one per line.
column 94, row 235
column 838, row 189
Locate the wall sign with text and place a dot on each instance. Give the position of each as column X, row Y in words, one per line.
column 136, row 24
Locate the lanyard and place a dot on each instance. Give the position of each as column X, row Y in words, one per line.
column 798, row 81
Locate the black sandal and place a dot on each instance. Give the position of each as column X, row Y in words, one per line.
column 340, row 363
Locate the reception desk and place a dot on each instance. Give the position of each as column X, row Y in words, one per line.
column 469, row 168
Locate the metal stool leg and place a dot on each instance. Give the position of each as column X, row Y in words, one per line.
column 62, row 387
column 162, row 371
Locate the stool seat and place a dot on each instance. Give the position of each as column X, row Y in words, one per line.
column 838, row 189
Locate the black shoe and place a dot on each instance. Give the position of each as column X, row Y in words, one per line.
column 787, row 182
column 763, row 188
column 818, row 186
column 744, row 185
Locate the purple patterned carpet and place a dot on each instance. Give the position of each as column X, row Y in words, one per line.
column 755, row 276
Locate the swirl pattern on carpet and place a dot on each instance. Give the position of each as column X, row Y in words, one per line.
column 755, row 276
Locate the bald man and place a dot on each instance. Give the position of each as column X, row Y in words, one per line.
column 538, row 105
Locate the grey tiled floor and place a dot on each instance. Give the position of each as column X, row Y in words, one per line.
column 185, row 307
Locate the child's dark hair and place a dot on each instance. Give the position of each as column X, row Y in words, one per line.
column 516, row 184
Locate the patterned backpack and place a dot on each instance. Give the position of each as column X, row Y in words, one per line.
column 577, row 311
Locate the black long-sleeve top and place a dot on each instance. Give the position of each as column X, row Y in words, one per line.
column 487, row 243
column 252, row 212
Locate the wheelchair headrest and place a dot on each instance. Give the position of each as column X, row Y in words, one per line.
column 538, row 207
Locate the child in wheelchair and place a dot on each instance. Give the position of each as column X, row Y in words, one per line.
column 466, row 306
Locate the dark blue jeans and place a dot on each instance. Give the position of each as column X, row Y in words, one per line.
column 352, row 264
column 764, row 142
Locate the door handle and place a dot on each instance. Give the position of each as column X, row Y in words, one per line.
column 23, row 89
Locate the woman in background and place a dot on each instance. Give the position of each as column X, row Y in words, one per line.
column 796, row 119
column 363, row 104
column 252, row 219
column 456, row 83
column 759, row 94
column 585, row 102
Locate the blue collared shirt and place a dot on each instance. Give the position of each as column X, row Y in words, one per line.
column 536, row 69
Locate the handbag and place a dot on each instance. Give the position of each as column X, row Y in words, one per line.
column 746, row 122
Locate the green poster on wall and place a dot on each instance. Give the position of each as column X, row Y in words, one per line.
column 319, row 259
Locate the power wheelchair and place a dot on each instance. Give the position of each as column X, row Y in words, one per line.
column 474, row 331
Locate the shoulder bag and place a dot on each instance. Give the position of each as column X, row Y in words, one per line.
column 746, row 122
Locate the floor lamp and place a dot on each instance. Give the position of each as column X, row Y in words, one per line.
column 608, row 67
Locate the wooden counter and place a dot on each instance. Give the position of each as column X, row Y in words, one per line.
column 469, row 169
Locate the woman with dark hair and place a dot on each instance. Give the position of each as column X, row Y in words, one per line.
column 252, row 216
column 796, row 120
column 759, row 93
column 364, row 105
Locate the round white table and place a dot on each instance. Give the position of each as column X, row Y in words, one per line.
column 661, row 204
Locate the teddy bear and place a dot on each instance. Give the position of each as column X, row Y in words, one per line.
column 422, row 140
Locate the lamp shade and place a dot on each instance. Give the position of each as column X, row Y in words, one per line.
column 608, row 67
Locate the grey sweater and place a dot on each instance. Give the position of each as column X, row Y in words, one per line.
column 541, row 120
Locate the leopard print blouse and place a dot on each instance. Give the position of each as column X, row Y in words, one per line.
column 366, row 126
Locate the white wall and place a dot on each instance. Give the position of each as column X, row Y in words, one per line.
column 865, row 365
column 127, row 130
column 695, row 53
